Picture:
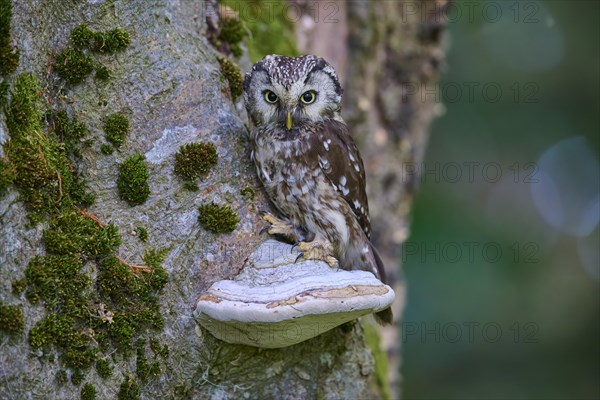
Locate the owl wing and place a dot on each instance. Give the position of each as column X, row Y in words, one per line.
column 340, row 161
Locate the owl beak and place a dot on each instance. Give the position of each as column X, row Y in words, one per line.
column 288, row 121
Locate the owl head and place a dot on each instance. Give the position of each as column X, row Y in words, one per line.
column 291, row 92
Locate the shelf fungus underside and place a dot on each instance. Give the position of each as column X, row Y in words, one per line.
column 277, row 302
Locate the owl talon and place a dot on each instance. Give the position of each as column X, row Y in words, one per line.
column 317, row 250
column 264, row 229
column 278, row 226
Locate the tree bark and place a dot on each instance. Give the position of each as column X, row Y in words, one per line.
column 169, row 84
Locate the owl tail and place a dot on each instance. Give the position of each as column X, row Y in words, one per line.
column 384, row 317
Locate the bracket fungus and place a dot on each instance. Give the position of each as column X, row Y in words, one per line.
column 275, row 302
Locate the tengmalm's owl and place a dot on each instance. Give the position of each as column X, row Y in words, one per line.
column 309, row 164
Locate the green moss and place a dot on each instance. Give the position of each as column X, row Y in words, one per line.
column 45, row 331
column 116, row 128
column 88, row 392
column 142, row 368
column 155, row 257
column 61, row 376
column 231, row 72
column 107, row 149
column 44, row 175
column 60, row 122
column 272, row 31
column 69, row 132
column 110, row 41
column 9, row 57
column 129, row 390
column 77, row 378
column 83, row 321
column 229, row 36
column 191, row 186
column 133, row 180
column 104, row 369
column 102, row 73
column 19, row 285
column 142, row 233
column 135, row 294
column 79, row 358
column 145, row 369
column 56, row 280
column 373, row 340
column 233, row 32
column 130, row 296
column 248, row 193
column 73, row 234
column 7, row 175
column 24, row 113
column 155, row 370
column 73, row 65
column 11, row 319
column 157, row 349
column 82, row 36
column 217, row 219
column 79, row 194
column 194, row 160
column 3, row 94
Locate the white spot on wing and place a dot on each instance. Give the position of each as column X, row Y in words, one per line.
column 265, row 175
column 324, row 163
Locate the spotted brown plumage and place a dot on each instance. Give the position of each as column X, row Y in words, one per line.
column 309, row 165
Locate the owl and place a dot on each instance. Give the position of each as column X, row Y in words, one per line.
column 308, row 163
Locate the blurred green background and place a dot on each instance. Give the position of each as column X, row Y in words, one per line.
column 503, row 262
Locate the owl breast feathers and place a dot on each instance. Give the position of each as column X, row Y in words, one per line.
column 308, row 163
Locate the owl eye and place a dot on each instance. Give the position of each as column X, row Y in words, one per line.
column 271, row 97
column 308, row 97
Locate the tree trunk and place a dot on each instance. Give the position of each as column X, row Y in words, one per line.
column 173, row 89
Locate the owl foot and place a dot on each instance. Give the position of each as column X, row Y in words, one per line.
column 318, row 249
column 278, row 227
